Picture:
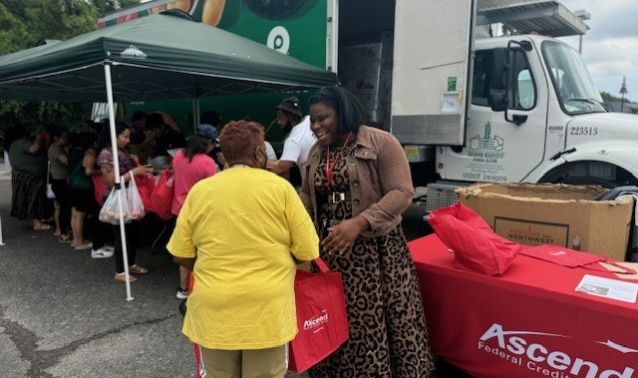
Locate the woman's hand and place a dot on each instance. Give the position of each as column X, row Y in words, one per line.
column 142, row 170
column 135, row 159
column 342, row 236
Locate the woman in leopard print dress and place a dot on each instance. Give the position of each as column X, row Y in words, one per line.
column 357, row 185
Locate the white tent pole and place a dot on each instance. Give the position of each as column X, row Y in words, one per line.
column 116, row 169
column 2, row 240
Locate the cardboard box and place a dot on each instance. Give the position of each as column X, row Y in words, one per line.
column 558, row 214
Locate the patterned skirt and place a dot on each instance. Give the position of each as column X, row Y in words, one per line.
column 29, row 199
column 388, row 337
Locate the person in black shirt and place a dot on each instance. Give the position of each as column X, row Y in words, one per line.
column 168, row 138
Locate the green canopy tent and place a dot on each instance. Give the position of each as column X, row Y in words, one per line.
column 161, row 56
column 155, row 57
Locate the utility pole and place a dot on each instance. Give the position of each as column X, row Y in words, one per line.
column 623, row 92
column 584, row 16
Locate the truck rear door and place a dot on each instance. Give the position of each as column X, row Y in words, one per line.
column 432, row 65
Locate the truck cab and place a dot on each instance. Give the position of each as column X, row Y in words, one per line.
column 552, row 127
column 535, row 115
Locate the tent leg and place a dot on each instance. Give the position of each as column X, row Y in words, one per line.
column 196, row 113
column 118, row 179
column 1, row 240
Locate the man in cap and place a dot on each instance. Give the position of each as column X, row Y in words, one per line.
column 299, row 141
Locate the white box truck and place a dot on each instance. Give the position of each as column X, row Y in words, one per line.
column 467, row 107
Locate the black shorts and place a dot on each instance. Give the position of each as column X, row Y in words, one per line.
column 82, row 200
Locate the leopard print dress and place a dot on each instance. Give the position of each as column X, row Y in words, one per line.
column 388, row 337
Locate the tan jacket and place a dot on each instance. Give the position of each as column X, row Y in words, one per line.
column 380, row 181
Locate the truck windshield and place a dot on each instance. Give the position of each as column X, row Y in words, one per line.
column 574, row 87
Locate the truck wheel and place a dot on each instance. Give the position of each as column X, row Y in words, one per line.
column 587, row 181
column 590, row 173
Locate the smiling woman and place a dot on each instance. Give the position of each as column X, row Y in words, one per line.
column 356, row 186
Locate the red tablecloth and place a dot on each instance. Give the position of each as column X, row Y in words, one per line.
column 528, row 323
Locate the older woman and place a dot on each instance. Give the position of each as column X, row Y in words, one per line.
column 28, row 179
column 241, row 231
column 357, row 185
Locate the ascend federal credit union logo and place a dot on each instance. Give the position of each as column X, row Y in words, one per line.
column 514, row 347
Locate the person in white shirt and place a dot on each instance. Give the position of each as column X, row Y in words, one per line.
column 299, row 140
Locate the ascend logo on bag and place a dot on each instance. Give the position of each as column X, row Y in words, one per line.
column 514, row 347
column 316, row 321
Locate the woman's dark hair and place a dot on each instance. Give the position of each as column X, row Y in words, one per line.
column 195, row 145
column 105, row 136
column 239, row 139
column 346, row 106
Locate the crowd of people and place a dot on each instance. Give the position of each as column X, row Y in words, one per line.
column 60, row 179
column 243, row 225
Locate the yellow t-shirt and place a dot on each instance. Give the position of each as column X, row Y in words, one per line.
column 243, row 225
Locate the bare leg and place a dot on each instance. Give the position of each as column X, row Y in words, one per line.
column 56, row 218
column 74, row 225
column 79, row 219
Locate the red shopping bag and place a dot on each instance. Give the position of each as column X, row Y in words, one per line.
column 145, row 186
column 99, row 189
column 162, row 196
column 321, row 317
column 476, row 247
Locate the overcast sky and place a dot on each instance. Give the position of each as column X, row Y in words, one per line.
column 610, row 47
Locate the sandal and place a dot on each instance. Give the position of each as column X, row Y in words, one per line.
column 137, row 269
column 121, row 277
column 65, row 239
column 42, row 227
column 83, row 246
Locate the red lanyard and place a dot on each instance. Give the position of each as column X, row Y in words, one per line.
column 330, row 167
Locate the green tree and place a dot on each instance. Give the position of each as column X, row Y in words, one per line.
column 25, row 24
column 608, row 97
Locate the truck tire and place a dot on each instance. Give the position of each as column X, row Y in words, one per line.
column 590, row 173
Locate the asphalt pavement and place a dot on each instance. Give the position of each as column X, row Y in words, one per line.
column 63, row 315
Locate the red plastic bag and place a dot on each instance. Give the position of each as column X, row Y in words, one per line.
column 321, row 317
column 162, row 196
column 573, row 259
column 477, row 248
column 145, row 186
column 99, row 189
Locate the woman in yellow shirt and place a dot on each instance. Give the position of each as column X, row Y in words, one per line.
column 242, row 232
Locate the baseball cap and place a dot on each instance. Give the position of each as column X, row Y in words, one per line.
column 207, row 131
column 290, row 105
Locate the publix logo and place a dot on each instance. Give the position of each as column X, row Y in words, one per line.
column 513, row 347
column 316, row 321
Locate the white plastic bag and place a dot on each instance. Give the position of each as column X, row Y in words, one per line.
column 110, row 212
column 135, row 204
column 50, row 194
